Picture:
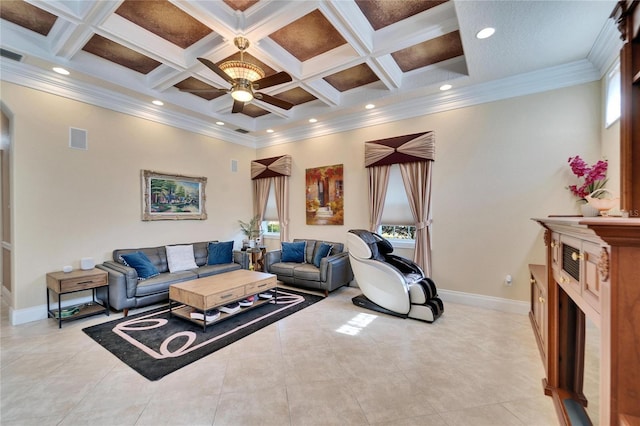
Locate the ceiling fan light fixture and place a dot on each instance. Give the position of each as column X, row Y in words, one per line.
column 242, row 70
column 241, row 93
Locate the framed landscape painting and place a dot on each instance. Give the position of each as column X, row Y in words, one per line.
column 172, row 197
column 325, row 195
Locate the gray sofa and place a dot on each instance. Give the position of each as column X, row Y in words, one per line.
column 334, row 271
column 126, row 291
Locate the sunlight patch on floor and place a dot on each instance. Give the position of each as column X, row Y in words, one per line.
column 356, row 324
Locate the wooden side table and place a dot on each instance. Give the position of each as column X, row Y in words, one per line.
column 256, row 258
column 70, row 282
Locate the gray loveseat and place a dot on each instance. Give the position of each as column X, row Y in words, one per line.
column 126, row 291
column 334, row 270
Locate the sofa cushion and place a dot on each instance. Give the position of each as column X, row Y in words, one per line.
column 336, row 248
column 201, row 252
column 180, row 258
column 141, row 263
column 308, row 253
column 220, row 253
column 307, row 272
column 322, row 250
column 161, row 283
column 207, row 270
column 283, row 269
column 293, row 252
column 156, row 255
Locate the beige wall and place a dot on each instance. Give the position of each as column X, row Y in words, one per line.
column 71, row 203
column 497, row 165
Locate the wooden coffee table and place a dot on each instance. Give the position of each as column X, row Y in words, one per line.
column 203, row 294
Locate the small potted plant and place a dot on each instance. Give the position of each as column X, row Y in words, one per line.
column 251, row 229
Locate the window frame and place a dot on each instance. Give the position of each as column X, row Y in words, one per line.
column 264, row 226
column 409, row 243
column 612, row 73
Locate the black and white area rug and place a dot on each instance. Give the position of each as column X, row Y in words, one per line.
column 155, row 344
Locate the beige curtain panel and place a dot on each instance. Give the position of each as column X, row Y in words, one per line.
column 282, row 205
column 417, row 183
column 260, row 195
column 378, row 183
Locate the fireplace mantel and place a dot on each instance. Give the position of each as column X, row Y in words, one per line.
column 593, row 270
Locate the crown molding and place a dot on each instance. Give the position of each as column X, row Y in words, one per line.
column 552, row 78
column 558, row 77
column 32, row 77
column 606, row 48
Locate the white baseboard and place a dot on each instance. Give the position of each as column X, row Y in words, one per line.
column 487, row 302
column 35, row 313
column 478, row 300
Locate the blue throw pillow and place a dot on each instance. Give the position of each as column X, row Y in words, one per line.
column 293, row 252
column 141, row 263
column 220, row 253
column 321, row 252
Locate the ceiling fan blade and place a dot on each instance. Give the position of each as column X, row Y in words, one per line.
column 272, row 80
column 213, row 89
column 274, row 101
column 237, row 106
column 213, row 67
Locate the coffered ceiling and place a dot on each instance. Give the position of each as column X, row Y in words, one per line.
column 341, row 55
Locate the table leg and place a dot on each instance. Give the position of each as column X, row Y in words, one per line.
column 59, row 311
column 106, row 302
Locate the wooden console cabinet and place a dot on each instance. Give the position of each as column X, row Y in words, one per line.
column 592, row 272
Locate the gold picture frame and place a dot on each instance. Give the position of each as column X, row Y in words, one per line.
column 172, row 197
column 325, row 195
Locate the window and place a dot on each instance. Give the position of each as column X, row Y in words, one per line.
column 271, row 227
column 397, row 220
column 398, row 232
column 613, row 99
column 270, row 222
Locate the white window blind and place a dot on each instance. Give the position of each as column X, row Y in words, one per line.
column 271, row 211
column 396, row 205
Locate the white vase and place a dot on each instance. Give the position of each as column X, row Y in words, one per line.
column 589, row 211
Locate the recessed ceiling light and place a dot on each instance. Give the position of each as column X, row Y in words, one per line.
column 445, row 87
column 485, row 33
column 313, row 120
column 370, row 106
column 220, row 123
column 157, row 102
column 269, row 130
column 61, row 70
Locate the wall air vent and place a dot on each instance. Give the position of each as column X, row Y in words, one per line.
column 11, row 55
column 243, row 131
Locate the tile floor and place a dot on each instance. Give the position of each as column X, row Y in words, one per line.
column 330, row 364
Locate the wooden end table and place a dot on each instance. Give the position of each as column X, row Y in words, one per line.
column 79, row 280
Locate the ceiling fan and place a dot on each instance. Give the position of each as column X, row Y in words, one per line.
column 245, row 79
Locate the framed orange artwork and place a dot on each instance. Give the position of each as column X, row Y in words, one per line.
column 325, row 195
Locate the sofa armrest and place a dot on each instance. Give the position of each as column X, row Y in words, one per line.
column 271, row 258
column 122, row 279
column 336, row 270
